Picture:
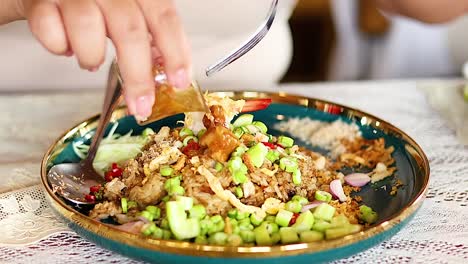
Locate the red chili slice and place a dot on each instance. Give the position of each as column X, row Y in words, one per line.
column 90, row 198
column 95, row 189
column 293, row 219
column 270, row 145
column 191, row 149
column 256, row 104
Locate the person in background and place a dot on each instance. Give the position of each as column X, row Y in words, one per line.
column 145, row 31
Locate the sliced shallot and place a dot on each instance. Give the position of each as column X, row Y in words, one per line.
column 357, row 179
column 311, row 206
column 337, row 190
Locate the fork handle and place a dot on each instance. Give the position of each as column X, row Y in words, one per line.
column 111, row 101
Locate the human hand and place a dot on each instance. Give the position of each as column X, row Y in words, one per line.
column 142, row 31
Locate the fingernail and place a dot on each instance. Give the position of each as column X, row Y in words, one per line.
column 69, row 53
column 180, row 79
column 144, row 106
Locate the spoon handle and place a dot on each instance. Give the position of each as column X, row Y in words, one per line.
column 111, row 101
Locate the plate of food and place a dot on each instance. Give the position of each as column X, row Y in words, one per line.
column 265, row 176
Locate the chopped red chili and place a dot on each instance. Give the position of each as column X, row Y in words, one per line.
column 293, row 219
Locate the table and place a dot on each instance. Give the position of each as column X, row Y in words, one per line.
column 31, row 122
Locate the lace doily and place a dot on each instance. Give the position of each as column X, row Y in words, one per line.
column 437, row 234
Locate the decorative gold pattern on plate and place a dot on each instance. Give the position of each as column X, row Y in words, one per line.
column 185, row 248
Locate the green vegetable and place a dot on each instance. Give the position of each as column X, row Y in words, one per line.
column 251, row 129
column 297, row 177
column 301, row 200
column 176, row 190
column 323, row 196
column 321, row 225
column 310, row 236
column 238, row 151
column 367, row 215
column 465, row 93
column 216, row 227
column 216, row 218
column 148, row 229
column 234, row 240
column 154, row 211
column 270, row 218
column 201, row 133
column 175, row 181
column 293, row 206
column 289, row 164
column 324, row 211
column 339, row 220
column 198, row 211
column 219, row 166
column 285, row 142
column 239, row 192
column 166, row 198
column 239, row 176
column 341, row 231
column 261, row 126
column 243, row 215
column 246, row 225
column 185, row 132
column 167, row 234
column 124, row 205
column 273, row 156
column 243, row 120
column 235, row 164
column 131, row 204
column 271, row 227
column 147, row 131
column 304, row 222
column 186, row 202
column 248, row 236
column 187, row 139
column 238, row 132
column 164, row 224
column 257, row 154
column 166, row 171
column 218, row 238
column 255, row 220
column 262, row 236
column 201, row 240
column 181, row 226
column 288, row 235
column 158, row 233
column 232, row 213
column 149, row 216
column 275, row 238
column 283, row 217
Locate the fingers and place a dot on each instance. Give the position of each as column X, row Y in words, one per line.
column 45, row 22
column 86, row 31
column 168, row 35
column 128, row 31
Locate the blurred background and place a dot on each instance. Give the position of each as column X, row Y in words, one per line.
column 310, row 41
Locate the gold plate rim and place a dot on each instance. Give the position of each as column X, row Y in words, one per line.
column 186, row 248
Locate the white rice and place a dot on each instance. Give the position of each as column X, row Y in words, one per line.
column 321, row 134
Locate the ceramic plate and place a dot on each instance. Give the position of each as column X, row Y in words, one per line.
column 394, row 211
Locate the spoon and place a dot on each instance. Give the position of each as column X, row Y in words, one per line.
column 73, row 180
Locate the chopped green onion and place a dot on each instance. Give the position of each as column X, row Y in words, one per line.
column 149, row 216
column 367, row 215
column 304, row 222
column 166, row 171
column 167, row 234
column 246, row 226
column 255, row 220
column 148, row 229
column 285, row 142
column 248, row 236
column 186, row 202
column 131, row 204
column 218, row 166
column 219, row 238
column 263, row 128
column 166, row 198
column 310, row 236
column 238, row 132
column 262, row 236
column 124, row 205
column 297, row 177
column 202, row 240
column 270, row 138
column 323, row 196
column 243, row 120
column 283, row 217
column 242, row 215
column 273, row 155
column 185, row 132
column 271, row 227
column 198, row 211
column 147, row 131
column 293, row 206
column 234, row 240
column 239, row 177
column 301, row 200
column 238, row 191
column 175, row 181
column 288, row 164
column 257, row 154
column 235, row 163
column 201, row 133
column 158, row 233
column 288, row 235
column 155, row 211
column 238, row 151
column 164, row 224
column 176, row 190
column 216, row 218
column 187, row 139
column 206, row 225
column 270, row 218
column 324, row 211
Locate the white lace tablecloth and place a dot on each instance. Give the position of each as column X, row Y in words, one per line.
column 29, row 232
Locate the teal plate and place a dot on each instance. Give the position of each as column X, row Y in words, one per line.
column 394, row 211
